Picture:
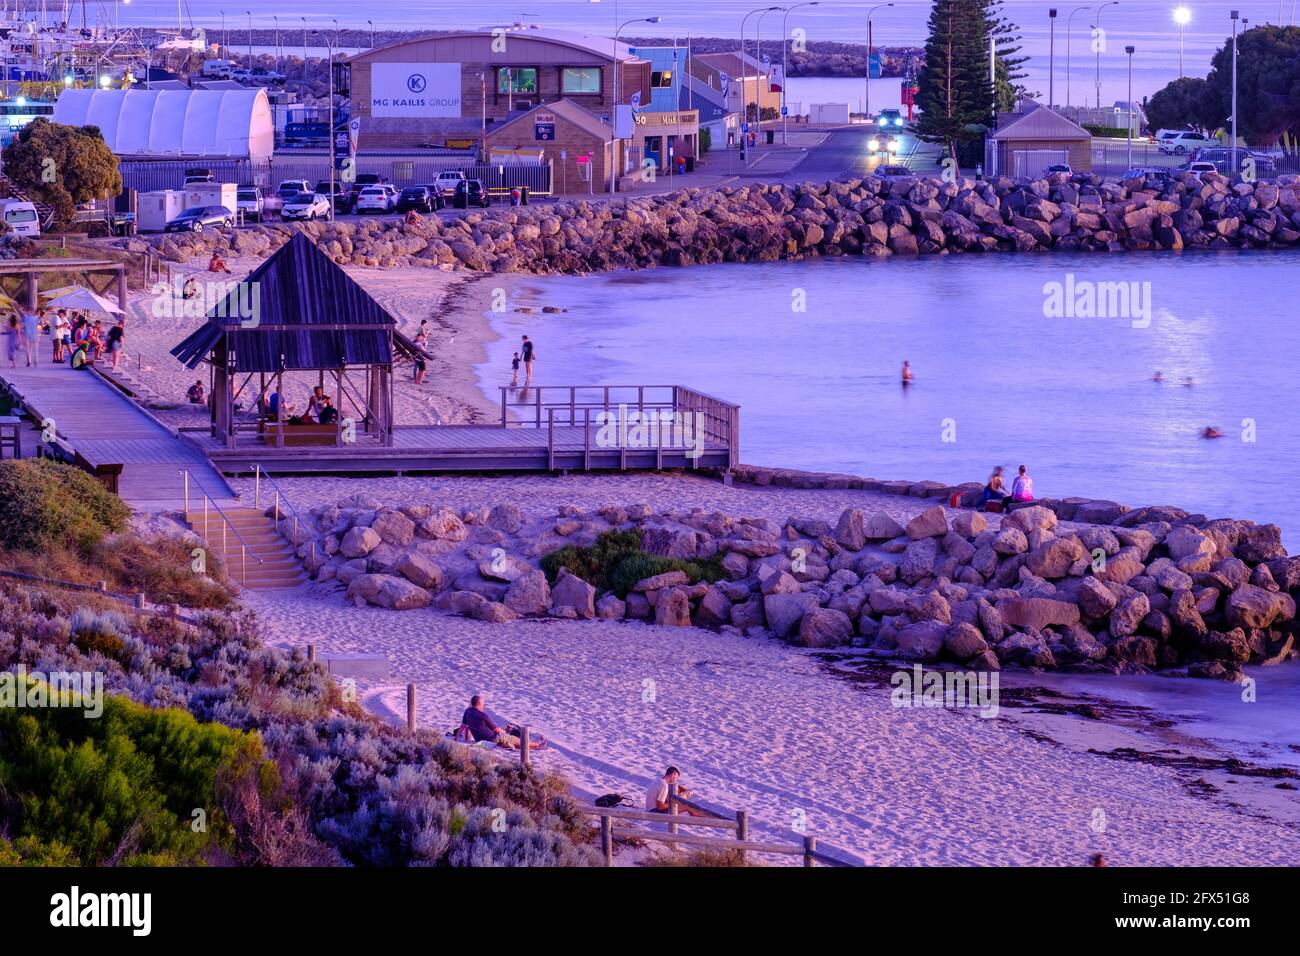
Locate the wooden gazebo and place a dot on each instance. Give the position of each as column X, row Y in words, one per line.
column 297, row 312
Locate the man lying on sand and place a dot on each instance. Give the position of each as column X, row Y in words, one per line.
column 477, row 724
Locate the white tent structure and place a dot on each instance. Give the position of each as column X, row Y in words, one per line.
column 172, row 124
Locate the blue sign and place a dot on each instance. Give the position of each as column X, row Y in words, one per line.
column 416, row 82
column 785, row 111
column 874, row 66
column 544, row 131
column 744, row 127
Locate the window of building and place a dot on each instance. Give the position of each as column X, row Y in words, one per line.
column 516, row 79
column 580, row 79
column 661, row 79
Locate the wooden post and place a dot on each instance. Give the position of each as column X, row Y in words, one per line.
column 410, row 708
column 672, row 810
column 311, row 653
column 523, row 747
column 174, row 610
column 139, row 600
column 742, row 834
column 809, row 847
column 103, row 587
column 607, row 838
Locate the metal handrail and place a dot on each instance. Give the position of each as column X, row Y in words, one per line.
column 258, row 472
column 226, row 523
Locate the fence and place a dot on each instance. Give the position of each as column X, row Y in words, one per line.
column 135, row 603
column 737, row 823
column 499, row 178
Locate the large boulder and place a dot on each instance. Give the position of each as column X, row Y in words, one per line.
column 930, row 523
column 673, row 608
column 1053, row 558
column 394, row 528
column 420, row 571
column 964, row 641
column 919, row 560
column 783, row 612
column 882, row 527
column 850, row 532
column 505, row 518
column 1031, row 518
column 359, row 542
column 1038, row 613
column 530, row 593
column 443, row 524
column 969, row 523
column 386, row 590
column 714, row 609
column 1185, row 541
column 1010, row 541
column 1128, row 614
column 824, row 627
column 1255, row 607
column 1095, row 598
column 922, row 641
column 573, row 592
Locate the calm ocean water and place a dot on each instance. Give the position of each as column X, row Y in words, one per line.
column 1070, row 397
column 1146, row 24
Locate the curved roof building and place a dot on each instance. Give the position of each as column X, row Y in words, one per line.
column 213, row 124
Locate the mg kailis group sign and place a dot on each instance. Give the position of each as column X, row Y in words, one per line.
column 415, row 89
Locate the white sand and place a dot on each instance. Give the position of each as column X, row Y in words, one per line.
column 759, row 725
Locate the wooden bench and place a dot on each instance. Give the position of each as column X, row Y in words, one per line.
column 314, row 434
column 11, row 435
column 107, row 474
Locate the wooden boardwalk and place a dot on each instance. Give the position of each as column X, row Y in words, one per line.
column 101, row 424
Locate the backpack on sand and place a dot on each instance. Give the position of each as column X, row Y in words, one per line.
column 612, row 800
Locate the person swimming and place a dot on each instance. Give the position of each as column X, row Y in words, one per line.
column 1211, row 432
column 907, row 372
column 1188, row 382
column 1158, row 377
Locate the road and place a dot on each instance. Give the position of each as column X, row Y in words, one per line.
column 845, row 154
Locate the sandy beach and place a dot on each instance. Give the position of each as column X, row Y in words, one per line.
column 807, row 741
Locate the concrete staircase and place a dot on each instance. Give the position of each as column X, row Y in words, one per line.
column 44, row 211
column 272, row 564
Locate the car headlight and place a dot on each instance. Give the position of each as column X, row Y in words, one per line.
column 893, row 145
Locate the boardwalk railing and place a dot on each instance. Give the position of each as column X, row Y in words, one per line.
column 134, row 602
column 671, row 408
column 226, row 524
column 258, row 474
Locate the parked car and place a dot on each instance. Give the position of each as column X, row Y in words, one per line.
column 262, row 74
column 289, row 188
column 1184, row 141
column 374, row 199
column 362, row 181
column 196, row 175
column 890, row 119
column 20, row 216
column 890, row 171
column 1265, row 167
column 197, row 218
column 249, row 201
column 1060, row 168
column 471, row 192
column 445, row 182
column 241, row 75
column 1201, row 166
column 418, row 198
column 342, row 195
column 306, row 205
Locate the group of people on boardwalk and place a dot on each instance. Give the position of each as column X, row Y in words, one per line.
column 76, row 339
column 320, row 407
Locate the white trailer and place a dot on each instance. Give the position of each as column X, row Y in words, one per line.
column 155, row 209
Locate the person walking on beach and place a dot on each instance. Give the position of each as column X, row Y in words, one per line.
column 529, row 356
column 1022, row 489
column 514, row 371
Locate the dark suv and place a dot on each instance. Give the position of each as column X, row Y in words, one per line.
column 419, row 198
column 471, row 192
column 342, row 198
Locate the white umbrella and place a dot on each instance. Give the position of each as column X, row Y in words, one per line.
column 83, row 300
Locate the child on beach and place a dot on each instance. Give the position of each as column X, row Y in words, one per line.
column 514, row 368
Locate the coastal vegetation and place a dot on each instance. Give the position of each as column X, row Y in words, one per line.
column 617, row 561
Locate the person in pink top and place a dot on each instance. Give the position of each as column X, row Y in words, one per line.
column 1022, row 489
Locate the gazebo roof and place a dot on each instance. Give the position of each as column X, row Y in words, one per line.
column 306, row 314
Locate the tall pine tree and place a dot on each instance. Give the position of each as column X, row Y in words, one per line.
column 955, row 95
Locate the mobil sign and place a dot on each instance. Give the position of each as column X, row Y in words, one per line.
column 415, row 90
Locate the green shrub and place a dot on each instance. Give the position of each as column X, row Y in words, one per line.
column 44, row 504
column 121, row 788
column 616, row 562
column 1114, row 132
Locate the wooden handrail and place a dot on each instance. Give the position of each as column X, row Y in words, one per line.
column 648, row 816
column 691, row 839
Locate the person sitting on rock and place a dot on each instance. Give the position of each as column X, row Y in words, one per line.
column 1022, row 489
column 995, row 490
column 478, row 725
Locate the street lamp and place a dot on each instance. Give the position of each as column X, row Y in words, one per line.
column 1097, row 26
column 613, row 142
column 785, row 72
column 372, row 33
column 250, row 38
column 330, row 46
column 223, row 34
column 758, row 55
column 1234, row 14
column 1182, row 17
column 744, row 103
column 1129, row 50
column 1051, row 60
column 304, row 48
column 1069, row 20
column 277, row 42
column 866, row 78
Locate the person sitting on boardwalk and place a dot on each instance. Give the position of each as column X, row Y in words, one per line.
column 328, row 413
column 656, row 795
column 97, row 341
column 477, row 724
column 195, row 393
column 1022, row 489
column 217, row 264
column 995, row 490
column 315, row 402
column 82, row 360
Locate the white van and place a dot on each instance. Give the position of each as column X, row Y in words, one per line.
column 21, row 217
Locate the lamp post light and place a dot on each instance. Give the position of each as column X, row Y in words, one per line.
column 613, row 142
column 1069, row 20
column 304, row 48
column 744, row 101
column 1182, row 17
column 1097, row 26
column 1051, row 60
column 330, row 46
column 250, row 38
column 758, row 55
column 277, row 42
column 1129, row 50
column 785, row 72
column 866, row 76
column 1234, row 14
column 223, row 34
column 371, row 23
